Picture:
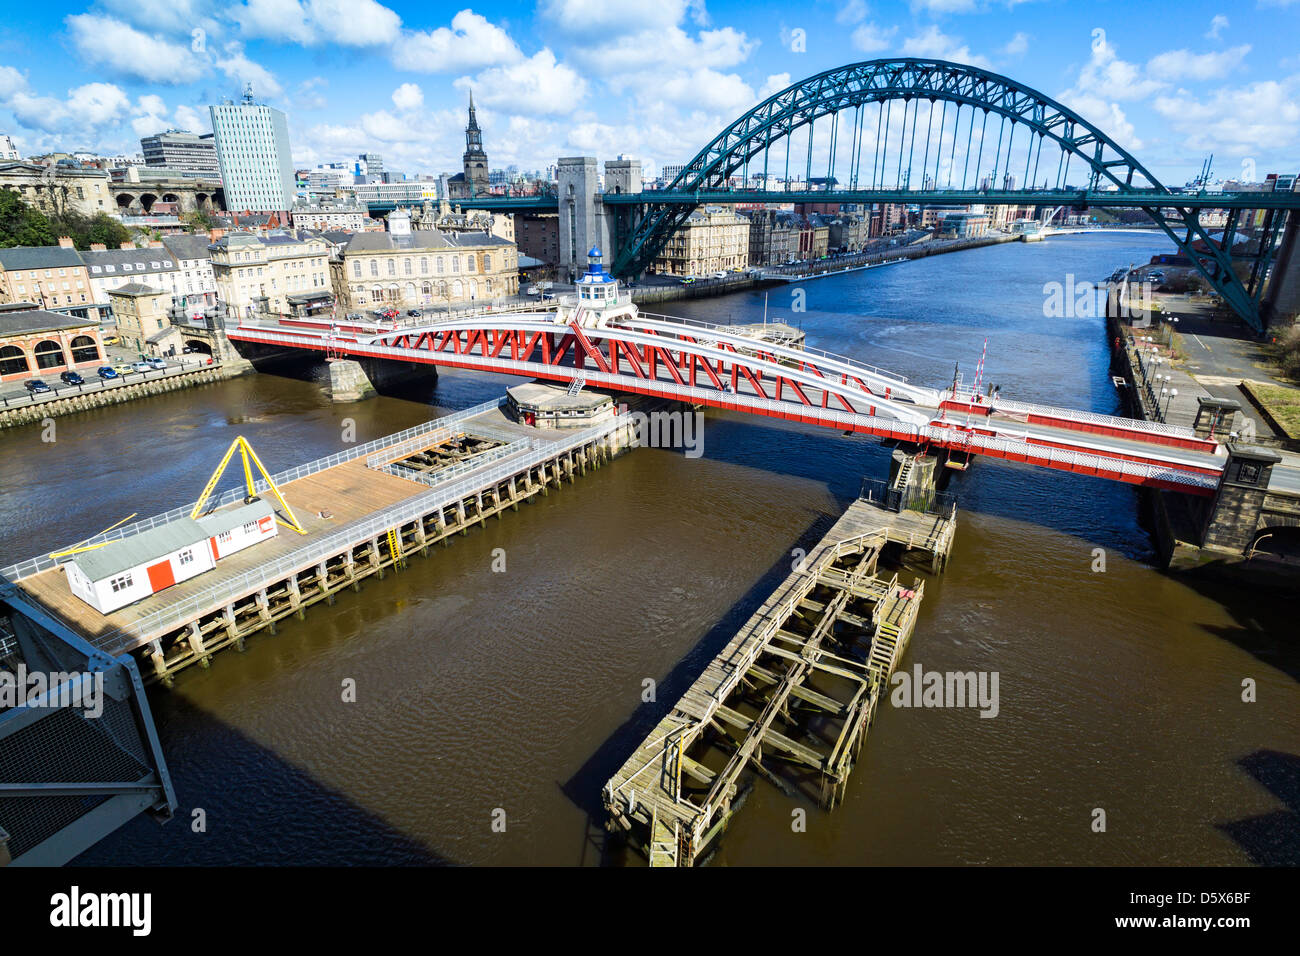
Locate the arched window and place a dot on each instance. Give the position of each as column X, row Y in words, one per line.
column 406, row 267
column 487, row 263
column 392, row 267
column 426, row 290
column 443, row 291
column 458, row 290
column 473, row 288
column 356, row 269
column 13, row 361
column 49, row 354
column 409, row 292
column 440, row 265
column 84, row 349
column 376, row 294
column 424, row 266
column 374, row 267
column 455, row 263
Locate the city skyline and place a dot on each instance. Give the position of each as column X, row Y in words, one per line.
column 654, row 81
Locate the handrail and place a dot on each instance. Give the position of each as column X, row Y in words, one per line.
column 219, row 593
column 23, row 569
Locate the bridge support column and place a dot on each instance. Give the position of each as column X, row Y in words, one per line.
column 582, row 214
column 348, row 381
column 1281, row 303
column 913, row 478
column 1232, row 518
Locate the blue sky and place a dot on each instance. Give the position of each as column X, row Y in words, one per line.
column 654, row 79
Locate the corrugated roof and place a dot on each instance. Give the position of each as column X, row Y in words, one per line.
column 144, row 548
column 226, row 520
column 39, row 320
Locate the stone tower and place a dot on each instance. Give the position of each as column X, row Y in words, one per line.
column 476, row 162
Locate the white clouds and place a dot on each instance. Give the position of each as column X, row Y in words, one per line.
column 1217, row 26
column 243, row 71
column 774, row 84
column 112, row 44
column 615, row 17
column 855, row 11
column 11, row 81
column 275, row 20
column 931, row 42
column 538, row 85
column 408, row 96
column 1017, row 45
column 1183, row 64
column 1105, row 76
column 87, row 110
column 708, row 89
column 354, row 23
column 870, row 38
column 945, row 6
column 470, row 43
column 167, row 16
column 1255, row 119
column 624, row 60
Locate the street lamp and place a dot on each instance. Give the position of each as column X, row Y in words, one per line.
column 1173, row 393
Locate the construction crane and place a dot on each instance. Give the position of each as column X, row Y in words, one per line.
column 250, row 459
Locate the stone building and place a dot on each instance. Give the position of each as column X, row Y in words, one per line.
column 351, row 217
column 407, row 268
column 35, row 342
column 538, row 235
column 52, row 277
column 712, row 239
column 249, row 268
column 771, row 238
column 59, row 187
column 143, row 322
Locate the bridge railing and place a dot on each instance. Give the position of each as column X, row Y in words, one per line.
column 1096, row 418
column 726, row 330
column 23, row 569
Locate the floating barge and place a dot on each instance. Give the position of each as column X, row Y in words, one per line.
column 790, row 697
column 363, row 511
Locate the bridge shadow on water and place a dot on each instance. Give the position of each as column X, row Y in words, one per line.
column 1264, row 622
column 246, row 823
column 584, row 788
column 1271, row 839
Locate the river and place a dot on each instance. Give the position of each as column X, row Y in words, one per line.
column 521, row 691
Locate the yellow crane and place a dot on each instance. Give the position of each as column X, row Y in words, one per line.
column 250, row 459
column 82, row 546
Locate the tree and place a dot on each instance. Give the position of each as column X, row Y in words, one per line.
column 104, row 228
column 21, row 225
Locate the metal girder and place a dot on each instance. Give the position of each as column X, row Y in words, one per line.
column 705, row 178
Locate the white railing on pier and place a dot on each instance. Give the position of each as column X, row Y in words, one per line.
column 224, row 592
column 23, row 569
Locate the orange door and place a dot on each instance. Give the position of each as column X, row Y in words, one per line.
column 160, row 575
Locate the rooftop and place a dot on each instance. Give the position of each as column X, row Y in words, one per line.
column 39, row 320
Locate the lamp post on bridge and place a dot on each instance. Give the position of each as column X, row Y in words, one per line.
column 1173, row 393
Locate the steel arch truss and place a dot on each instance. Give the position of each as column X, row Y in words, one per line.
column 878, row 81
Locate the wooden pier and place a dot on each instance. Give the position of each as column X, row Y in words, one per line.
column 790, row 697
column 364, row 511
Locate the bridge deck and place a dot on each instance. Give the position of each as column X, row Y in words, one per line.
column 798, row 650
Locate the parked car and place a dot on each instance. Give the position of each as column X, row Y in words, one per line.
column 355, row 317
column 139, row 366
column 72, row 378
column 36, row 385
column 414, row 313
column 110, row 340
column 105, row 372
column 155, row 363
column 121, row 368
column 719, row 275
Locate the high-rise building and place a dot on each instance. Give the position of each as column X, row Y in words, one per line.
column 8, row 151
column 191, row 154
column 253, row 154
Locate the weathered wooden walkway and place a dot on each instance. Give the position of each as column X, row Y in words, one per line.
column 791, row 695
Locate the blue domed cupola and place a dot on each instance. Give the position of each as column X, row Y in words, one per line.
column 596, row 287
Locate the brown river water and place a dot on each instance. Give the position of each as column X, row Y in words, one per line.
column 521, row 691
